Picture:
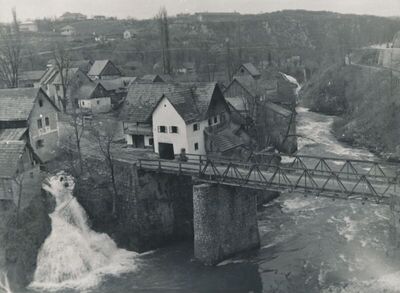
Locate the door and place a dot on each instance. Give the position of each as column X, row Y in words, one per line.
column 166, row 151
column 138, row 141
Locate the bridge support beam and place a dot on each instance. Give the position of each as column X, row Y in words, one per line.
column 225, row 222
column 395, row 223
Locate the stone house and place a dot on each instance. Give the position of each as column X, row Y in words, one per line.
column 32, row 110
column 104, row 69
column 94, row 98
column 19, row 168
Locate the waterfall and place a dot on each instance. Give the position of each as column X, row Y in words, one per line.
column 74, row 256
column 4, row 284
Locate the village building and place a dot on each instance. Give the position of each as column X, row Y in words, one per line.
column 52, row 83
column 187, row 68
column 179, row 118
column 68, row 31
column 19, row 172
column 104, row 69
column 94, row 98
column 248, row 69
column 149, row 78
column 30, row 78
column 130, row 34
column 31, row 110
column 117, row 89
column 72, row 16
column 28, row 27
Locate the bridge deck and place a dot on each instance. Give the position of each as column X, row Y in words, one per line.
column 350, row 180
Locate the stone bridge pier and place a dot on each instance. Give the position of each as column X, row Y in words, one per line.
column 395, row 224
column 225, row 222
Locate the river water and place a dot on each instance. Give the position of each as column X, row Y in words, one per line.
column 308, row 244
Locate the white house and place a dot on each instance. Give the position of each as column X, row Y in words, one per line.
column 94, row 98
column 180, row 119
column 68, row 31
column 130, row 34
column 173, row 117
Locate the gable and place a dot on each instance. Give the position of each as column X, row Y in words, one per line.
column 218, row 103
column 110, row 69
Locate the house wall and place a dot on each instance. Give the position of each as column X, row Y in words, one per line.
column 286, row 92
column 48, row 134
column 196, row 137
column 97, row 105
column 166, row 115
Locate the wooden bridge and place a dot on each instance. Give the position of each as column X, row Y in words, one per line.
column 319, row 176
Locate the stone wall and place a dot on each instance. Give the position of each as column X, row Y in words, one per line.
column 225, row 222
column 153, row 209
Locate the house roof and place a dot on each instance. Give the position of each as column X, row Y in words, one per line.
column 83, row 65
column 17, row 104
column 99, row 66
column 251, row 69
column 10, row 154
column 225, row 139
column 89, row 91
column 116, row 84
column 191, row 101
column 67, row 73
column 278, row 109
column 152, row 78
column 31, row 75
column 10, row 134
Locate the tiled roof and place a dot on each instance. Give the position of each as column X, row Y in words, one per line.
column 190, row 100
column 31, row 75
column 10, row 154
column 98, row 67
column 152, row 78
column 86, row 91
column 251, row 69
column 278, row 109
column 226, row 140
column 116, row 84
column 142, row 98
column 67, row 74
column 17, row 104
column 12, row 134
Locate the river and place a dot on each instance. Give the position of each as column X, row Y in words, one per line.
column 308, row 244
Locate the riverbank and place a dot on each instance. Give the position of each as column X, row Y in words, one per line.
column 367, row 103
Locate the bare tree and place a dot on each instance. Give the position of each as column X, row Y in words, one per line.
column 19, row 181
column 10, row 52
column 105, row 139
column 62, row 62
column 162, row 18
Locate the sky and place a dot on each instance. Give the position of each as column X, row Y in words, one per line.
column 140, row 9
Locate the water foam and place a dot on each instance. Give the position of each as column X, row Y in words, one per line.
column 74, row 256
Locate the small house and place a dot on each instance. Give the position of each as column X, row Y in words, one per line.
column 248, row 69
column 29, row 27
column 68, row 31
column 31, row 109
column 94, row 98
column 104, row 69
column 130, row 34
column 30, row 78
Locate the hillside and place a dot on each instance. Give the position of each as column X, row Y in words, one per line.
column 367, row 100
column 218, row 43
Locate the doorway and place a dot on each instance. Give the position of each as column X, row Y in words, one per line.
column 166, row 151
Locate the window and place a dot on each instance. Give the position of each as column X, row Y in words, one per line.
column 215, row 119
column 83, row 103
column 98, row 102
column 210, row 121
column 39, row 143
column 195, row 127
column 39, row 123
column 151, row 141
column 47, row 121
column 57, row 87
column 162, row 129
column 40, row 103
column 196, row 146
column 174, row 129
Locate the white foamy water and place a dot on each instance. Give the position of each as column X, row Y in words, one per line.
column 74, row 256
column 4, row 283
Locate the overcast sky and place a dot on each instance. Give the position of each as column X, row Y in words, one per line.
column 147, row 8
